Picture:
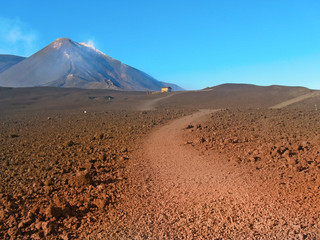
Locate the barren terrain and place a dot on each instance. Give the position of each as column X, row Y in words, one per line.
column 58, row 183
column 141, row 166
column 280, row 151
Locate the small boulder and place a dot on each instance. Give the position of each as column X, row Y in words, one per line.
column 48, row 227
column 100, row 203
column 292, row 161
column 53, row 211
column 82, row 179
column 69, row 143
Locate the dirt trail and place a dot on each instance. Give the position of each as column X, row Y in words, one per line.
column 178, row 192
column 150, row 105
column 295, row 100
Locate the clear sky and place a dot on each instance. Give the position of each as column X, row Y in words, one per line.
column 191, row 43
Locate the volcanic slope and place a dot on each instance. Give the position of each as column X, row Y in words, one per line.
column 65, row 63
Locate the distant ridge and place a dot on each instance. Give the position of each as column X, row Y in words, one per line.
column 68, row 64
column 237, row 95
column 239, row 86
column 7, row 61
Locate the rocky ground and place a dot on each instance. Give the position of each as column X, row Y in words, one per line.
column 61, row 173
column 280, row 147
column 283, row 139
column 189, row 180
column 141, row 167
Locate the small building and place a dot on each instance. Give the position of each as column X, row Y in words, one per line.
column 166, row 89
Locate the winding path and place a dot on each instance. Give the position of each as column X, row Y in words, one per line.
column 179, row 193
column 151, row 104
column 296, row 99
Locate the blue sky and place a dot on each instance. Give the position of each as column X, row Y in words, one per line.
column 191, row 43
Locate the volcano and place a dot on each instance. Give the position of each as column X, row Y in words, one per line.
column 66, row 63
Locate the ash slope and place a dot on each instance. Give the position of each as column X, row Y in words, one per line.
column 7, row 61
column 65, row 63
column 236, row 95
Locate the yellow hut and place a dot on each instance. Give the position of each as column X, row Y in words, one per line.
column 166, row 89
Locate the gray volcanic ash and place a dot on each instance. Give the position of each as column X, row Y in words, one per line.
column 65, row 63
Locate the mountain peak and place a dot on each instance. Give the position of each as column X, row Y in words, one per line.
column 63, row 40
column 65, row 63
column 58, row 43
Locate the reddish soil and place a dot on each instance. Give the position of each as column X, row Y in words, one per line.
column 64, row 182
column 186, row 185
column 159, row 172
column 280, row 151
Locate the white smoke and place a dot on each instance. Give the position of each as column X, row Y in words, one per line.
column 90, row 43
column 16, row 37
